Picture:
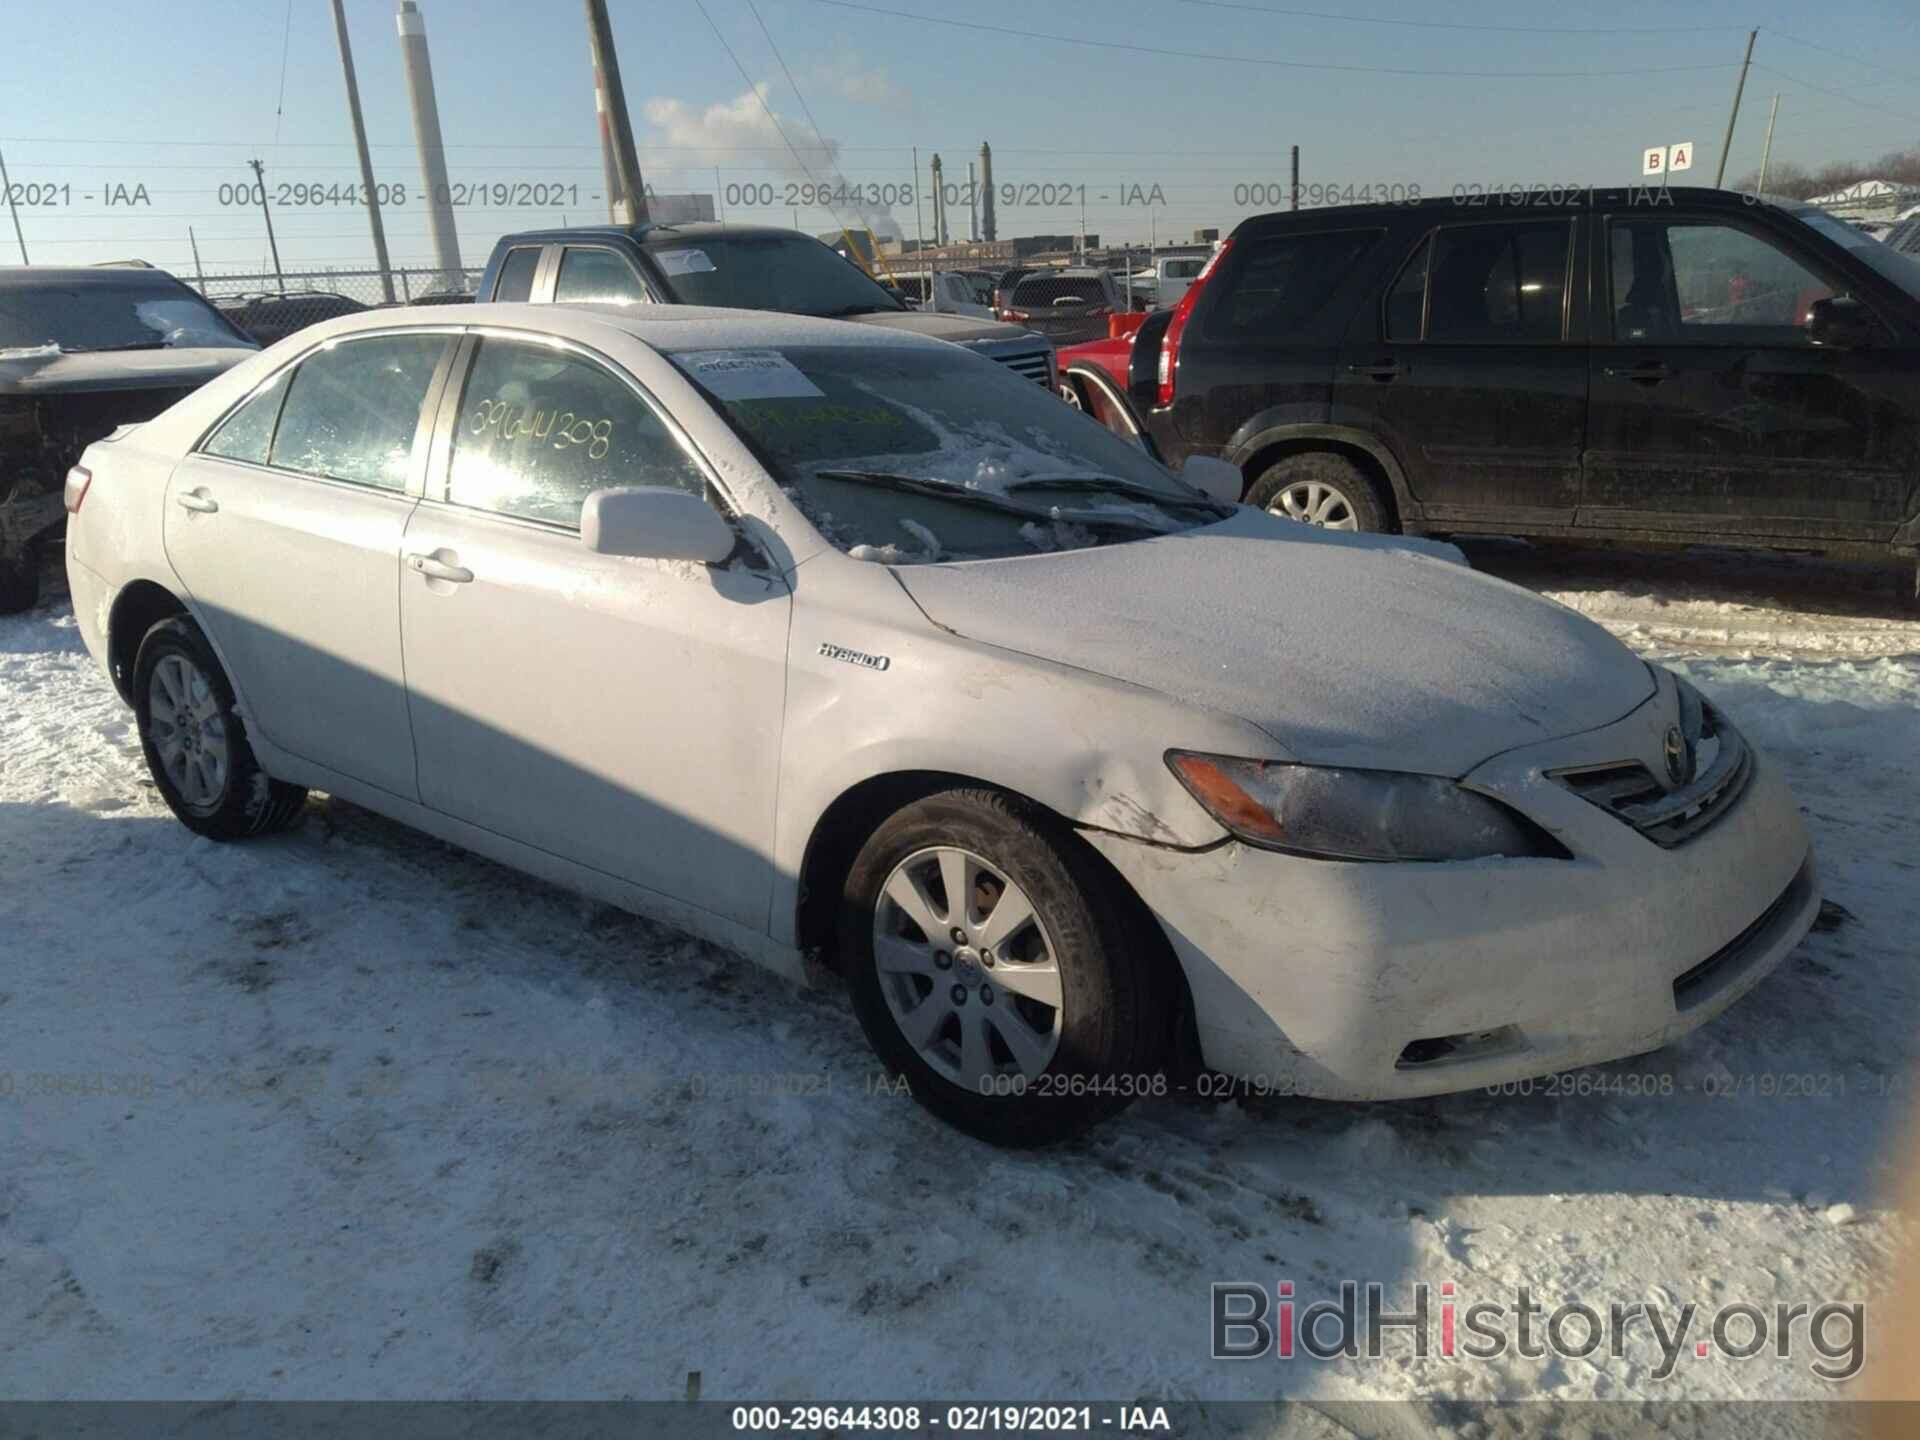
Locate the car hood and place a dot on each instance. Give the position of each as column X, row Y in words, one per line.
column 1356, row 650
column 959, row 329
column 56, row 372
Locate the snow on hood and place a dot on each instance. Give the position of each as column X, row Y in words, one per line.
column 1347, row 650
column 49, row 369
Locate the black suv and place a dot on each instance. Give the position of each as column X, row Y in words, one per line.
column 1648, row 365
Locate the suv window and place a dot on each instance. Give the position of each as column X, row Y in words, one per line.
column 516, row 274
column 598, row 277
column 539, row 430
column 1183, row 269
column 1498, row 282
column 1059, row 290
column 1713, row 283
column 353, row 408
column 1407, row 300
column 1282, row 288
column 247, row 434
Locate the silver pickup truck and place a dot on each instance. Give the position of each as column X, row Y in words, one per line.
column 743, row 267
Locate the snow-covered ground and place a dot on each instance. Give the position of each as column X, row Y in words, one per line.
column 351, row 1114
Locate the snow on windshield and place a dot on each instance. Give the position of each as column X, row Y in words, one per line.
column 910, row 418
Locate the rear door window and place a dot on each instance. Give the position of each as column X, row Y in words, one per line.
column 515, row 281
column 353, row 409
column 540, row 429
column 598, row 277
column 1499, row 282
column 1285, row 287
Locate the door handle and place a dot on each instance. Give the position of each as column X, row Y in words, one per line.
column 1651, row 373
column 437, row 569
column 197, row 501
column 1379, row 370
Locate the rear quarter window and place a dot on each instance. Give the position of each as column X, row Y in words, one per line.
column 1288, row 288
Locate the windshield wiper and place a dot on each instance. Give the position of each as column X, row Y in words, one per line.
column 845, row 310
column 979, row 499
column 1108, row 485
column 115, row 349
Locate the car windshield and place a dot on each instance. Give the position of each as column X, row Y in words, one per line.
column 790, row 273
column 1059, row 290
column 1902, row 270
column 136, row 313
column 902, row 454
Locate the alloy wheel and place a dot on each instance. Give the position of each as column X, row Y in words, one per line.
column 1314, row 502
column 189, row 730
column 967, row 968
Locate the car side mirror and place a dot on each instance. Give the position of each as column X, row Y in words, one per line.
column 1216, row 479
column 1840, row 323
column 655, row 522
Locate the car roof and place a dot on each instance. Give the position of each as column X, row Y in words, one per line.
column 107, row 277
column 660, row 327
column 649, row 236
column 1477, row 203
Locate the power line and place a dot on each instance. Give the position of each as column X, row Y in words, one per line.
column 1263, row 60
column 1821, row 89
column 1839, row 55
column 1465, row 25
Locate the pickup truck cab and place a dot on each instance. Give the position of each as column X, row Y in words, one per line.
column 740, row 267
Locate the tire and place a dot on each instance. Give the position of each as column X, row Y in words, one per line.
column 1082, row 1058
column 211, row 780
column 19, row 583
column 1320, row 482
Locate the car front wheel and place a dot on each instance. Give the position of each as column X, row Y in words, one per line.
column 196, row 743
column 990, row 967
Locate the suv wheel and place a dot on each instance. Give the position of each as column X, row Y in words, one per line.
column 1320, row 488
column 196, row 744
column 989, row 965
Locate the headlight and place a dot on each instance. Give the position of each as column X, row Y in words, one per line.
column 1356, row 814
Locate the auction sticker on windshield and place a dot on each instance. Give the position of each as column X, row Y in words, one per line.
column 684, row 262
column 748, row 375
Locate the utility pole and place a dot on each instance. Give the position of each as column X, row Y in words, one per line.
column 260, row 179
column 1739, row 86
column 13, row 205
column 366, row 160
column 1766, row 150
column 616, row 125
column 199, row 273
column 919, row 225
column 1295, row 191
column 418, row 66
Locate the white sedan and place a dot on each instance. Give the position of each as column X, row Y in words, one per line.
column 852, row 651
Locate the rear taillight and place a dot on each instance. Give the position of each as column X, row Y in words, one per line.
column 1170, row 342
column 78, row 479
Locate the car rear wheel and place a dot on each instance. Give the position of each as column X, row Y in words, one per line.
column 196, row 744
column 989, row 966
column 1321, row 489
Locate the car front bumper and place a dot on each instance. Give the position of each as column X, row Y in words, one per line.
column 1377, row 981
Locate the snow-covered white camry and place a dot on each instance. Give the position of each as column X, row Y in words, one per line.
column 831, row 644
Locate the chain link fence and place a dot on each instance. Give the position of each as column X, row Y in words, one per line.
column 270, row 307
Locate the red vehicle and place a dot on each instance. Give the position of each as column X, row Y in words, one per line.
column 1093, row 374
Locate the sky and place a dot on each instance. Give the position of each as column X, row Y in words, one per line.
column 126, row 123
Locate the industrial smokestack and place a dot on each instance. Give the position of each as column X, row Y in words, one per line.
column 939, row 205
column 433, row 155
column 986, row 191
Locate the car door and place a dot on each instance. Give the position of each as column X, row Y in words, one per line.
column 1713, row 410
column 1474, row 372
column 285, row 528
column 621, row 713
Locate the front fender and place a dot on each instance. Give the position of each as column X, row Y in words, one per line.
column 1089, row 748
